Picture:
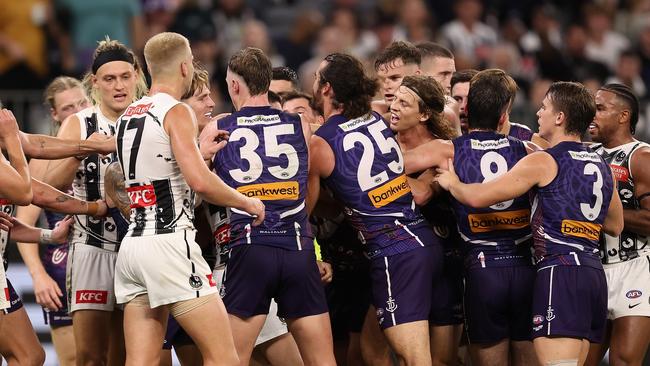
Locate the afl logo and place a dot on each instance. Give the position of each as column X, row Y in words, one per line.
column 633, row 294
column 195, row 282
column 58, row 256
column 441, row 231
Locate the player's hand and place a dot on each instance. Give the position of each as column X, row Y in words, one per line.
column 256, row 208
column 102, row 209
column 100, row 143
column 325, row 270
column 6, row 221
column 8, row 123
column 446, row 178
column 62, row 229
column 212, row 140
column 47, row 291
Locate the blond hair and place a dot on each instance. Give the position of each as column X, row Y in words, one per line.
column 164, row 51
column 58, row 85
column 109, row 45
column 200, row 79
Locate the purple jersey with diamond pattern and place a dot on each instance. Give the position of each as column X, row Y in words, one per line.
column 498, row 235
column 569, row 212
column 520, row 132
column 368, row 178
column 266, row 157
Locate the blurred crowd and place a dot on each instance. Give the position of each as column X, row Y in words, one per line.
column 537, row 42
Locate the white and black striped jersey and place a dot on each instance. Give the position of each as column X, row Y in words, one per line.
column 88, row 184
column 10, row 209
column 161, row 200
column 628, row 245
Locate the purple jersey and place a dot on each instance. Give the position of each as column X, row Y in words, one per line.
column 498, row 235
column 266, row 157
column 568, row 213
column 368, row 178
column 520, row 132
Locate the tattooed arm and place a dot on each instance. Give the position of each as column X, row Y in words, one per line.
column 51, row 198
column 115, row 189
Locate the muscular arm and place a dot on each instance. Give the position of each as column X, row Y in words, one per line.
column 180, row 124
column 613, row 224
column 638, row 220
column 525, row 175
column 321, row 164
column 421, row 187
column 48, row 147
column 433, row 154
column 16, row 179
column 48, row 197
column 60, row 173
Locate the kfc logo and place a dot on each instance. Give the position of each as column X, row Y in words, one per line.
column 211, row 280
column 142, row 196
column 222, row 234
column 92, row 297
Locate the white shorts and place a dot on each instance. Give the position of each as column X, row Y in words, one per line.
column 89, row 278
column 628, row 288
column 167, row 267
column 273, row 327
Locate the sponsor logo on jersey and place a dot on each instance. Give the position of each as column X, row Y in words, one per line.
column 389, row 192
column 222, row 234
column 137, row 109
column 585, row 156
column 620, row 173
column 634, row 294
column 258, row 120
column 4, row 201
column 489, row 144
column 211, row 280
column 506, row 220
column 581, row 229
column 271, row 191
column 538, row 319
column 196, row 282
column 58, row 256
column 91, row 297
column 357, row 122
column 141, row 196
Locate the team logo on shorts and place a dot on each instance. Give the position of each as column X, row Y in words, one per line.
column 195, row 282
column 391, row 306
column 633, row 294
column 538, row 319
column 549, row 314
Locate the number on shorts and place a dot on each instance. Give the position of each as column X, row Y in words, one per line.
column 386, row 145
column 589, row 212
column 490, row 158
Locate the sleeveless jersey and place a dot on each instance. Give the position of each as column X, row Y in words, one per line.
column 161, row 200
column 88, row 185
column 521, row 132
column 368, row 178
column 498, row 235
column 10, row 209
column 266, row 157
column 568, row 213
column 628, row 245
column 55, row 256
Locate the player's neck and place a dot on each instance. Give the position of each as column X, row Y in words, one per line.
column 413, row 137
column 563, row 137
column 261, row 100
column 618, row 139
column 110, row 114
column 504, row 129
column 160, row 87
column 329, row 110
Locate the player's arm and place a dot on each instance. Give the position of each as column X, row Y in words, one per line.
column 422, row 187
column 212, row 139
column 48, row 197
column 638, row 220
column 613, row 224
column 29, row 234
column 60, row 173
column 525, row 175
column 16, row 179
column 433, row 154
column 48, row 147
column 180, row 125
column 321, row 164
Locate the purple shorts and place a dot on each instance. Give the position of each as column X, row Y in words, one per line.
column 257, row 273
column 402, row 285
column 447, row 307
column 498, row 303
column 570, row 301
column 175, row 335
column 55, row 260
column 14, row 299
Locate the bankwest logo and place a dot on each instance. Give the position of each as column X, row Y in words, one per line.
column 137, row 109
column 489, row 144
column 585, row 156
column 581, row 229
column 258, row 120
column 620, row 173
column 389, row 192
column 506, row 220
column 357, row 122
column 142, row 196
column 92, row 297
column 271, row 191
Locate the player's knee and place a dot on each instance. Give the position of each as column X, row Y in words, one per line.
column 87, row 357
column 624, row 357
column 35, row 357
column 569, row 362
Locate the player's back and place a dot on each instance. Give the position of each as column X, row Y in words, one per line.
column 498, row 235
column 161, row 200
column 267, row 157
column 368, row 178
column 569, row 212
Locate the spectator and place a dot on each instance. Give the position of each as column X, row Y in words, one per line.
column 628, row 72
column 603, row 44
